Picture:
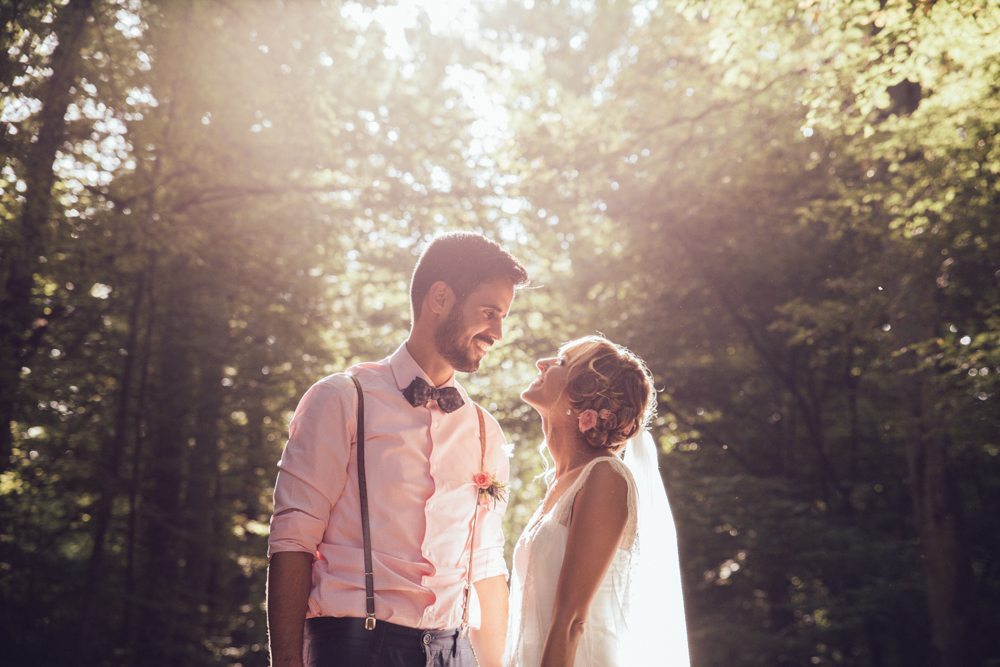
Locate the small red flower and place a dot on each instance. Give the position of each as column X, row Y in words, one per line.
column 482, row 480
column 587, row 420
column 489, row 489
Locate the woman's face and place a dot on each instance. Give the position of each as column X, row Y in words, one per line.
column 548, row 391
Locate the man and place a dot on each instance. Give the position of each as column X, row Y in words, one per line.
column 422, row 448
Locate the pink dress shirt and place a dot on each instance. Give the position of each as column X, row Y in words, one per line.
column 421, row 498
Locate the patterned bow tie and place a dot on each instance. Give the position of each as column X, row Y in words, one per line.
column 419, row 392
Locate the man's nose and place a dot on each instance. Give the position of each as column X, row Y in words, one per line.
column 496, row 330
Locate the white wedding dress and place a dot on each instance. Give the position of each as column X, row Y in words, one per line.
column 637, row 616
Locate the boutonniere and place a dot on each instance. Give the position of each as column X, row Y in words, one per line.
column 490, row 488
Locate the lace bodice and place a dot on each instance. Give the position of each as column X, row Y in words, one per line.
column 538, row 559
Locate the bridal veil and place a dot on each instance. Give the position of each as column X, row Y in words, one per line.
column 657, row 631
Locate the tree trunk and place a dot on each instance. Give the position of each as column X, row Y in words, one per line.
column 936, row 509
column 127, row 637
column 781, row 620
column 109, row 474
column 852, row 385
column 161, row 532
column 27, row 236
column 199, row 507
column 934, row 495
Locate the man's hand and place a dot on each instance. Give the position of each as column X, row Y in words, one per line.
column 488, row 641
column 289, row 578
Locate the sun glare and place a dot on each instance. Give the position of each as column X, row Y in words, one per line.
column 442, row 17
column 446, row 18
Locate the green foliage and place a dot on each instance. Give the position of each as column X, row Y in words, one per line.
column 787, row 208
column 783, row 189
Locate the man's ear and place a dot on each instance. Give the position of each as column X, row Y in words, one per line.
column 440, row 298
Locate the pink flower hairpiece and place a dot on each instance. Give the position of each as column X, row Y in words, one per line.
column 588, row 418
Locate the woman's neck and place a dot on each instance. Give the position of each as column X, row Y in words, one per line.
column 568, row 448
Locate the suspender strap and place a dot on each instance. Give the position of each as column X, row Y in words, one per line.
column 366, row 533
column 475, row 521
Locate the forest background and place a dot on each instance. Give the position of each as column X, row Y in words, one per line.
column 787, row 207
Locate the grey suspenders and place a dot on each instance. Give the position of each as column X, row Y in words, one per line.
column 475, row 520
column 366, row 534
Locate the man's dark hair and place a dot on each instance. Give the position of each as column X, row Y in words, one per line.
column 463, row 261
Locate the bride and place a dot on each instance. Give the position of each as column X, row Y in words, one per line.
column 596, row 577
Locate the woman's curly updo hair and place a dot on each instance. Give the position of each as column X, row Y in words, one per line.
column 613, row 382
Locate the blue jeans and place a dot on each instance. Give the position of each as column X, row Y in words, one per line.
column 333, row 642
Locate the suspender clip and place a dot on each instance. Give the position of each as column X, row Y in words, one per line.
column 370, row 622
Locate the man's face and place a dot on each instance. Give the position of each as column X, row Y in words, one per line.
column 473, row 325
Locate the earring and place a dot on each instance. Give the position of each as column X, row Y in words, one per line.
column 569, row 411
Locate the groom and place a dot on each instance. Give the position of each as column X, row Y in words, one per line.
column 424, row 441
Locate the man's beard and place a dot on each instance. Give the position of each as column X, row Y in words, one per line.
column 448, row 341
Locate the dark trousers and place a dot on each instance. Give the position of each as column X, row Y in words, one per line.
column 333, row 642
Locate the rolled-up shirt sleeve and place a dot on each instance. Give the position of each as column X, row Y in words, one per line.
column 312, row 471
column 488, row 558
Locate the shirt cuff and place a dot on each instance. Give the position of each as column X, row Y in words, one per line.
column 290, row 531
column 488, row 563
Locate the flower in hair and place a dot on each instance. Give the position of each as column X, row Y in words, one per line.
column 587, row 420
column 604, row 414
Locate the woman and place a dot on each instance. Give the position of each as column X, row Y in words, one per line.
column 596, row 576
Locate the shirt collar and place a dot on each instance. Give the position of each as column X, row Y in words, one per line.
column 405, row 369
